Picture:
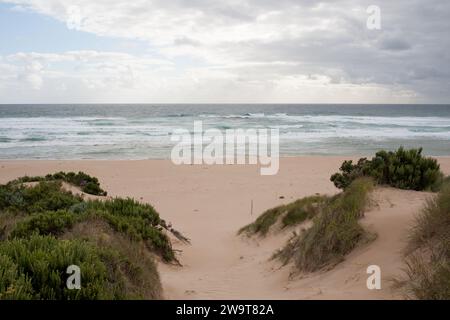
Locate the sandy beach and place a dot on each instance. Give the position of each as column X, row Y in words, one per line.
column 208, row 204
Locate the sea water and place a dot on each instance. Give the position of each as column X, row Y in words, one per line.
column 142, row 131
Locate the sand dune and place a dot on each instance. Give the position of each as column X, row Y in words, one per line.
column 241, row 268
column 209, row 204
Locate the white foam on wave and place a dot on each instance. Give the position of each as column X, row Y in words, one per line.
column 327, row 119
column 20, row 134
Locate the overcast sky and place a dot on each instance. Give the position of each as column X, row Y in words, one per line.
column 206, row 51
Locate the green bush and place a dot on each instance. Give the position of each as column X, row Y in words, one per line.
column 45, row 223
column 87, row 183
column 350, row 172
column 137, row 220
column 116, row 263
column 335, row 230
column 44, row 196
column 53, row 210
column 35, row 268
column 138, row 228
column 404, row 169
column 127, row 208
column 13, row 285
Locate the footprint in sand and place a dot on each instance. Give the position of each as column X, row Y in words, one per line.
column 190, row 292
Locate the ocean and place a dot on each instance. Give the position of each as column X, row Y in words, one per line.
column 138, row 131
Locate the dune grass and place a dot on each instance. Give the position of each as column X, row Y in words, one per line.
column 428, row 253
column 44, row 229
column 290, row 214
column 302, row 209
column 263, row 223
column 335, row 230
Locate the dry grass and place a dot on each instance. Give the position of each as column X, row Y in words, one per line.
column 335, row 230
column 427, row 272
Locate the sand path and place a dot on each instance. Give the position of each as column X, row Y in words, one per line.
column 219, row 265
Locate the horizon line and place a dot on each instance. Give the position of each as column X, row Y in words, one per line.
column 224, row 103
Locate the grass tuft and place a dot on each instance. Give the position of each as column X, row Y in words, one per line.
column 302, row 210
column 428, row 253
column 263, row 223
column 291, row 214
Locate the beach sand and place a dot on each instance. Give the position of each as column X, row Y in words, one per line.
column 208, row 204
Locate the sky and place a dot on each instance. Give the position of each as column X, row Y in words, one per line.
column 233, row 51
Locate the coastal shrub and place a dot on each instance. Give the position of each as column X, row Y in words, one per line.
column 138, row 229
column 137, row 263
column 52, row 210
column 44, row 196
column 335, row 230
column 85, row 182
column 44, row 229
column 35, row 268
column 404, row 169
column 79, row 208
column 45, row 223
column 350, row 172
column 128, row 208
column 137, row 220
column 13, row 285
column 428, row 253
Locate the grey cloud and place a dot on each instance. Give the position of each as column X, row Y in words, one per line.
column 186, row 41
column 268, row 40
column 395, row 44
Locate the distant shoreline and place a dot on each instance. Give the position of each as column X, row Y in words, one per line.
column 336, row 156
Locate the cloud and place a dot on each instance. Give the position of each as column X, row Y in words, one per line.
column 395, row 44
column 277, row 49
column 89, row 69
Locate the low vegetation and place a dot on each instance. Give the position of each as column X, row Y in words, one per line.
column 335, row 230
column 303, row 209
column 43, row 196
column 44, row 229
column 290, row 214
column 428, row 253
column 404, row 169
column 82, row 180
column 35, row 268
